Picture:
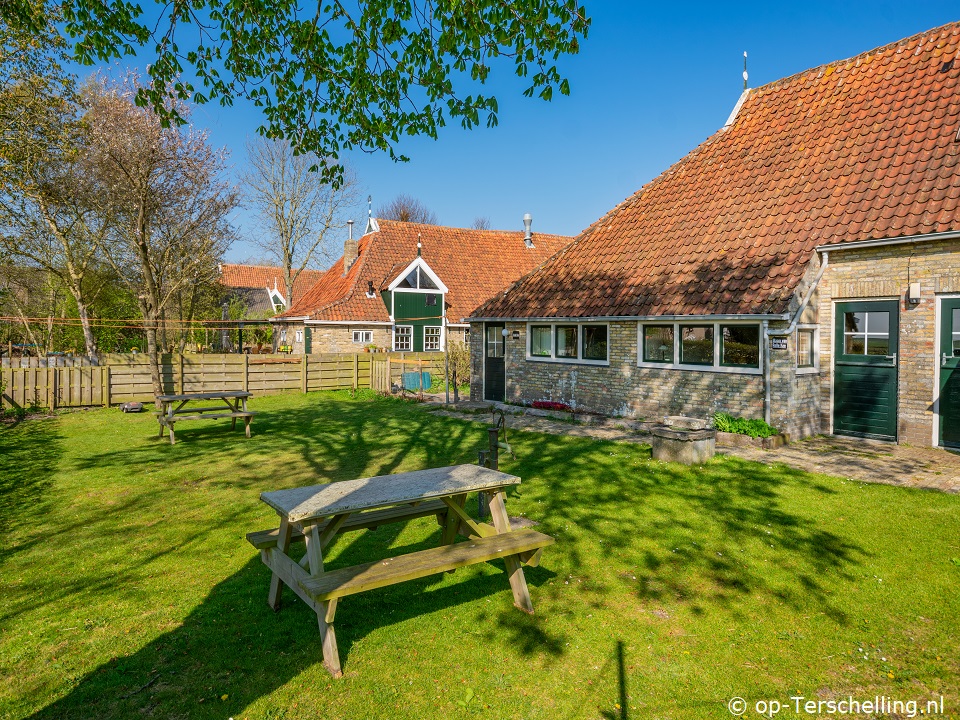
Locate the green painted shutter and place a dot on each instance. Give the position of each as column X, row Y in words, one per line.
column 307, row 340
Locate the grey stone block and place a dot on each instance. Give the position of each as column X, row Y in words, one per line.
column 690, row 447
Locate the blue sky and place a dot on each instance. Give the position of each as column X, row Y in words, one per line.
column 651, row 82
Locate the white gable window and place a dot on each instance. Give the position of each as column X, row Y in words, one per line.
column 418, row 277
column 299, row 336
column 363, row 337
column 276, row 299
column 403, row 338
column 431, row 339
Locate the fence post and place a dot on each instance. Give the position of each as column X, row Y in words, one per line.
column 246, row 372
column 106, row 385
column 56, row 389
column 356, row 371
column 180, row 371
column 303, row 371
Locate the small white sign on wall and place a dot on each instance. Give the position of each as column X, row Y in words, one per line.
column 778, row 343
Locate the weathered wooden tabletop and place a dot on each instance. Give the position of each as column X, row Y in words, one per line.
column 319, row 501
column 205, row 396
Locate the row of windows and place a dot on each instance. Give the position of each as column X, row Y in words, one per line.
column 718, row 345
column 569, row 342
column 403, row 338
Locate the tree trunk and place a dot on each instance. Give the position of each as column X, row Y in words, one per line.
column 88, row 340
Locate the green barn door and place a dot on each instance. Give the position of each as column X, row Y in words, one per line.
column 494, row 372
column 865, row 369
column 950, row 373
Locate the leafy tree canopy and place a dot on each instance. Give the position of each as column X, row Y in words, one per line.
column 334, row 75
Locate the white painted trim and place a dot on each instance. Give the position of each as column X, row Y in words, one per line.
column 394, row 333
column 299, row 318
column 736, row 109
column 553, row 345
column 881, row 242
column 636, row 318
column 422, row 264
column 347, row 322
column 815, row 368
column 716, row 367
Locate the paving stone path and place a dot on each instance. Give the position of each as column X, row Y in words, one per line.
column 854, row 458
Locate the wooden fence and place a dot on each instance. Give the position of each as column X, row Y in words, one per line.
column 75, row 382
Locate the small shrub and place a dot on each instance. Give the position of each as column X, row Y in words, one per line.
column 742, row 426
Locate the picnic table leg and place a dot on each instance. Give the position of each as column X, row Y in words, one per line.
column 246, row 422
column 518, row 583
column 276, row 584
column 172, row 438
column 328, row 637
column 451, row 522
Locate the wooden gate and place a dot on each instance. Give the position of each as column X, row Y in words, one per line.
column 380, row 375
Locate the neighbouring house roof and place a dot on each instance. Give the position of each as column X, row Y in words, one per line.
column 252, row 283
column 473, row 264
column 857, row 149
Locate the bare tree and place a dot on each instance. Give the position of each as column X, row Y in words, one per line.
column 50, row 215
column 481, row 222
column 407, row 209
column 299, row 212
column 165, row 186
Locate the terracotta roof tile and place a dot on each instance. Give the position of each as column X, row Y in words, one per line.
column 858, row 149
column 265, row 276
column 473, row 264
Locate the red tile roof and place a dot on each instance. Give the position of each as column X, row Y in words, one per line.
column 265, row 276
column 473, row 264
column 858, row 149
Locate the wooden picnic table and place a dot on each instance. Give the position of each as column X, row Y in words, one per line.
column 174, row 408
column 315, row 515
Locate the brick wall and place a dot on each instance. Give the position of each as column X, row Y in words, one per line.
column 332, row 338
column 624, row 389
column 882, row 273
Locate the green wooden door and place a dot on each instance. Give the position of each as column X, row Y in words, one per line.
column 307, row 340
column 494, row 372
column 950, row 373
column 865, row 369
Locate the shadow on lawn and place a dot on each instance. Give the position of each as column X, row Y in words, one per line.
column 233, row 644
column 341, row 440
column 703, row 536
column 29, row 453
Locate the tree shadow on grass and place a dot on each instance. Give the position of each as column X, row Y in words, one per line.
column 29, row 454
column 233, row 644
column 705, row 536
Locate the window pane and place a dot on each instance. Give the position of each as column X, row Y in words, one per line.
column 567, row 341
column 410, row 281
column 431, row 299
column 878, row 345
column 696, row 345
column 741, row 345
column 956, row 321
column 495, row 342
column 658, row 343
column 431, row 338
column 594, row 342
column 878, row 322
column 854, row 322
column 426, row 283
column 805, row 348
column 540, row 340
column 853, row 344
column 402, row 338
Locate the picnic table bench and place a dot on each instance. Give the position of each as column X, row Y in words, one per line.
column 174, row 408
column 315, row 515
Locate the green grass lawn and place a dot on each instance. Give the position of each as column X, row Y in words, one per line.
column 129, row 590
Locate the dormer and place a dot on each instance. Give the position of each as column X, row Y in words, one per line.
column 418, row 277
column 276, row 298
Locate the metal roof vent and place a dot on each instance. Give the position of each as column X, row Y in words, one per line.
column 527, row 234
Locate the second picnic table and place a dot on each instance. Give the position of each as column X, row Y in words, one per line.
column 315, row 515
column 174, row 408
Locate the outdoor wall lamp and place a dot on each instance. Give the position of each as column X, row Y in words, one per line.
column 505, row 332
column 913, row 293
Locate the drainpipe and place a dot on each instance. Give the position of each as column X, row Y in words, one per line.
column 766, row 371
column 788, row 331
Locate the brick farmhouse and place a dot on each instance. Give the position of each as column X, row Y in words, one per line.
column 801, row 265
column 407, row 287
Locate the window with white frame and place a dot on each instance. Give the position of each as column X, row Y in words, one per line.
column 403, row 338
column 283, row 336
column 363, row 337
column 723, row 346
column 568, row 342
column 431, row 339
column 299, row 336
column 806, row 348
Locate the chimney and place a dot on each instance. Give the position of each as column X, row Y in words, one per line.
column 527, row 235
column 349, row 249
